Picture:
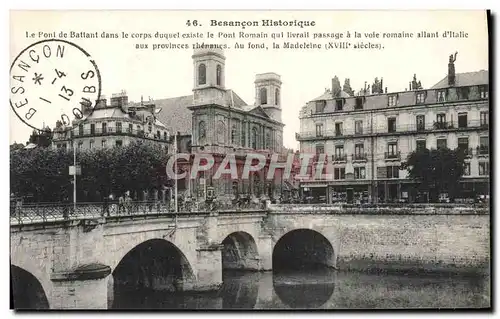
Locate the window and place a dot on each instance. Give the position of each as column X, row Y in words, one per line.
column 91, row 144
column 92, row 128
column 150, row 128
column 392, row 150
column 130, row 128
column 234, row 137
column 103, row 143
column 463, row 93
column 80, row 129
column 420, row 122
column 263, row 96
column 339, row 152
column 391, row 124
column 243, row 135
column 202, row 74
column 392, row 171
column 268, row 140
column 421, row 145
column 441, row 96
column 254, row 138
column 483, row 119
column 118, row 143
column 359, row 151
column 359, row 103
column 441, row 143
column 80, row 145
column 319, row 130
column 277, row 97
column 339, row 173
column 484, row 145
column 420, row 97
column 338, row 129
column 201, row 130
column 441, row 118
column 359, row 173
column 392, row 100
column 158, row 134
column 463, row 144
column 358, row 127
column 483, row 92
column 165, row 136
column 484, row 168
column 339, row 104
column 462, row 120
column 104, row 127
column 219, row 74
column 118, row 127
column 466, row 169
column 221, row 133
column 320, row 106
column 320, row 149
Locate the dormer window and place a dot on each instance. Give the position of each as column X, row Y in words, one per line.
column 463, row 93
column 483, row 91
column 339, row 105
column 441, row 96
column 359, row 103
column 392, row 100
column 320, row 106
column 420, row 97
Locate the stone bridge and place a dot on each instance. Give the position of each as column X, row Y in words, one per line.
column 77, row 262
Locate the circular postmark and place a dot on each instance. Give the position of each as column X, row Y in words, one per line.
column 54, row 81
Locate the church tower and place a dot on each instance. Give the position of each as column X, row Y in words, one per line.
column 209, row 76
column 268, row 94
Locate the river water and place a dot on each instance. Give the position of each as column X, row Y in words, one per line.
column 317, row 289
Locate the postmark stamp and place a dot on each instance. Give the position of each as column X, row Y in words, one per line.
column 53, row 80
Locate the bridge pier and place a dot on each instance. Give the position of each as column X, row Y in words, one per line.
column 265, row 244
column 85, row 287
column 209, row 275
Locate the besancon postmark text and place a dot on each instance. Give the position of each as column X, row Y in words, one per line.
column 53, row 80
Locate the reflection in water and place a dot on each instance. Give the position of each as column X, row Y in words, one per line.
column 304, row 292
column 320, row 289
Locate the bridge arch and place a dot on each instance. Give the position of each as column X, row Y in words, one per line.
column 303, row 248
column 155, row 264
column 240, row 252
column 27, row 291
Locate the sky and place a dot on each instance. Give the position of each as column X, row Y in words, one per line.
column 305, row 73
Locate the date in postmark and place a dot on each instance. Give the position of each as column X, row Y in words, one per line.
column 54, row 80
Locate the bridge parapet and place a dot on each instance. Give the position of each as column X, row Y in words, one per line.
column 380, row 209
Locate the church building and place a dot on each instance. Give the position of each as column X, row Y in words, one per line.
column 215, row 120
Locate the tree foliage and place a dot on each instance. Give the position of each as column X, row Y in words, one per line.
column 437, row 170
column 41, row 138
column 43, row 173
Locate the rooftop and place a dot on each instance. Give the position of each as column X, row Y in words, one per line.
column 465, row 79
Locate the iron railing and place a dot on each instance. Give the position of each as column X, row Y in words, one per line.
column 53, row 212
column 399, row 128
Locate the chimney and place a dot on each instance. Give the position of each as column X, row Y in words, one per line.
column 386, row 89
column 381, row 85
column 409, row 87
column 336, row 89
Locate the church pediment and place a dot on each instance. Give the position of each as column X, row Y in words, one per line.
column 259, row 111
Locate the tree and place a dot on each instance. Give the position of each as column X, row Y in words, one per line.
column 41, row 138
column 43, row 173
column 436, row 171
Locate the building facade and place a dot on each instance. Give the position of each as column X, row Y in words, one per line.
column 223, row 124
column 116, row 124
column 367, row 136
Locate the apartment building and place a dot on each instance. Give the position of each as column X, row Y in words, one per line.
column 367, row 136
column 116, row 124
